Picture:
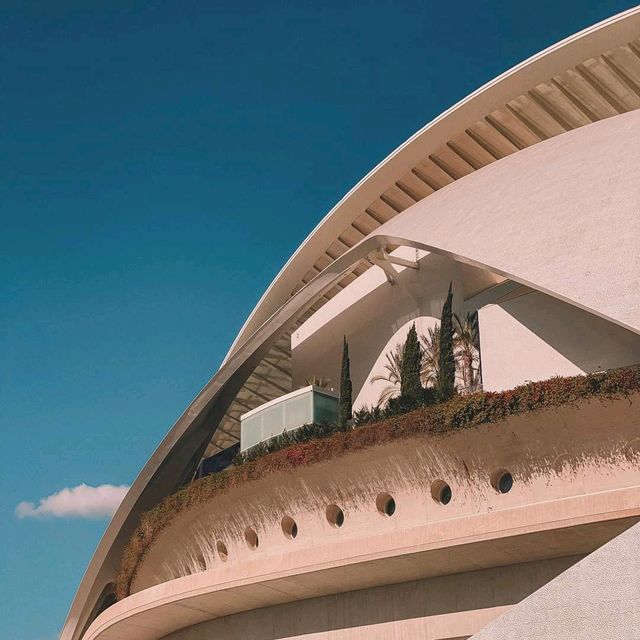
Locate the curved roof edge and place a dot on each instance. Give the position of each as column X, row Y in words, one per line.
column 609, row 33
column 169, row 464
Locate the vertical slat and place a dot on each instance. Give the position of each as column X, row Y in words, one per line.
column 584, row 95
column 451, row 163
column 559, row 106
column 410, row 183
column 397, row 198
column 609, row 85
column 627, row 65
column 491, row 139
column 513, row 129
column 473, row 153
column 432, row 174
column 536, row 119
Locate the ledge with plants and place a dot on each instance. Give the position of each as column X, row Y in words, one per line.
column 313, row 444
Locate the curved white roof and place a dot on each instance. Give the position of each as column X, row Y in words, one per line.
column 586, row 78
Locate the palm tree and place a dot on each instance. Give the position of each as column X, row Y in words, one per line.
column 430, row 357
column 316, row 381
column 392, row 376
column 467, row 351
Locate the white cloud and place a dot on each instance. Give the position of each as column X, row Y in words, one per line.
column 82, row 501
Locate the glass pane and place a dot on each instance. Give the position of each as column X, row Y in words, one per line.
column 325, row 408
column 272, row 421
column 251, row 431
column 297, row 411
column 289, row 414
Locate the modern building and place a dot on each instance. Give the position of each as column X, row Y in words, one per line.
column 525, row 199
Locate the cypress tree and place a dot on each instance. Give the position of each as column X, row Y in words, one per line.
column 446, row 361
column 344, row 403
column 410, row 386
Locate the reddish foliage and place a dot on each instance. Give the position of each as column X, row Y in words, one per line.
column 296, row 455
column 460, row 412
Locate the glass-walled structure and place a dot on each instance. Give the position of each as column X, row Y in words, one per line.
column 304, row 406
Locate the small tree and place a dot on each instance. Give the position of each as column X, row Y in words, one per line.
column 467, row 349
column 446, row 360
column 410, row 387
column 392, row 375
column 316, row 381
column 430, row 357
column 345, row 401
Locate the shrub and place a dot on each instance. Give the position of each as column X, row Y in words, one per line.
column 286, row 439
column 402, row 404
column 429, row 396
column 367, row 415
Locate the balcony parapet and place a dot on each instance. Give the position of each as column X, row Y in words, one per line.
column 410, row 464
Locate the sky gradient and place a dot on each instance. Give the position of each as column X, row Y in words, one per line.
column 160, row 162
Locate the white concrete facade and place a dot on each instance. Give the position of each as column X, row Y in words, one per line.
column 576, row 486
column 533, row 181
column 556, row 229
column 598, row 597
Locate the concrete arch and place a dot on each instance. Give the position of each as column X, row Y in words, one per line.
column 520, row 79
column 556, row 217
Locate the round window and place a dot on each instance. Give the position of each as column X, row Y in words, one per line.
column 222, row 550
column 502, row 481
column 289, row 527
column 441, row 492
column 251, row 538
column 335, row 516
column 385, row 504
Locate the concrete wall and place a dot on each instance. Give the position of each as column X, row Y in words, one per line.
column 437, row 609
column 556, row 457
column 576, row 486
column 535, row 337
column 531, row 336
column 597, row 598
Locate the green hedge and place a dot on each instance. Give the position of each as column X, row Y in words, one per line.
column 316, row 443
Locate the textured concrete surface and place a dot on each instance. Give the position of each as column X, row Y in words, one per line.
column 580, row 281
column 596, row 599
column 566, row 463
column 436, row 609
column 575, row 488
column 613, row 199
column 536, row 337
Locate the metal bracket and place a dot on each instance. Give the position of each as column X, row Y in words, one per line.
column 384, row 260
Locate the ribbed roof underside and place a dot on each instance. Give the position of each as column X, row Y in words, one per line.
column 595, row 89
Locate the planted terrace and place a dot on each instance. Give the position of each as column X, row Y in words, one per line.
column 513, row 414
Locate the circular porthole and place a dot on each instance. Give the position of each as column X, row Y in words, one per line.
column 289, row 527
column 502, row 481
column 335, row 516
column 221, row 547
column 251, row 538
column 385, row 504
column 441, row 492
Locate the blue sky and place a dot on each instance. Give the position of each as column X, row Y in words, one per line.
column 160, row 162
